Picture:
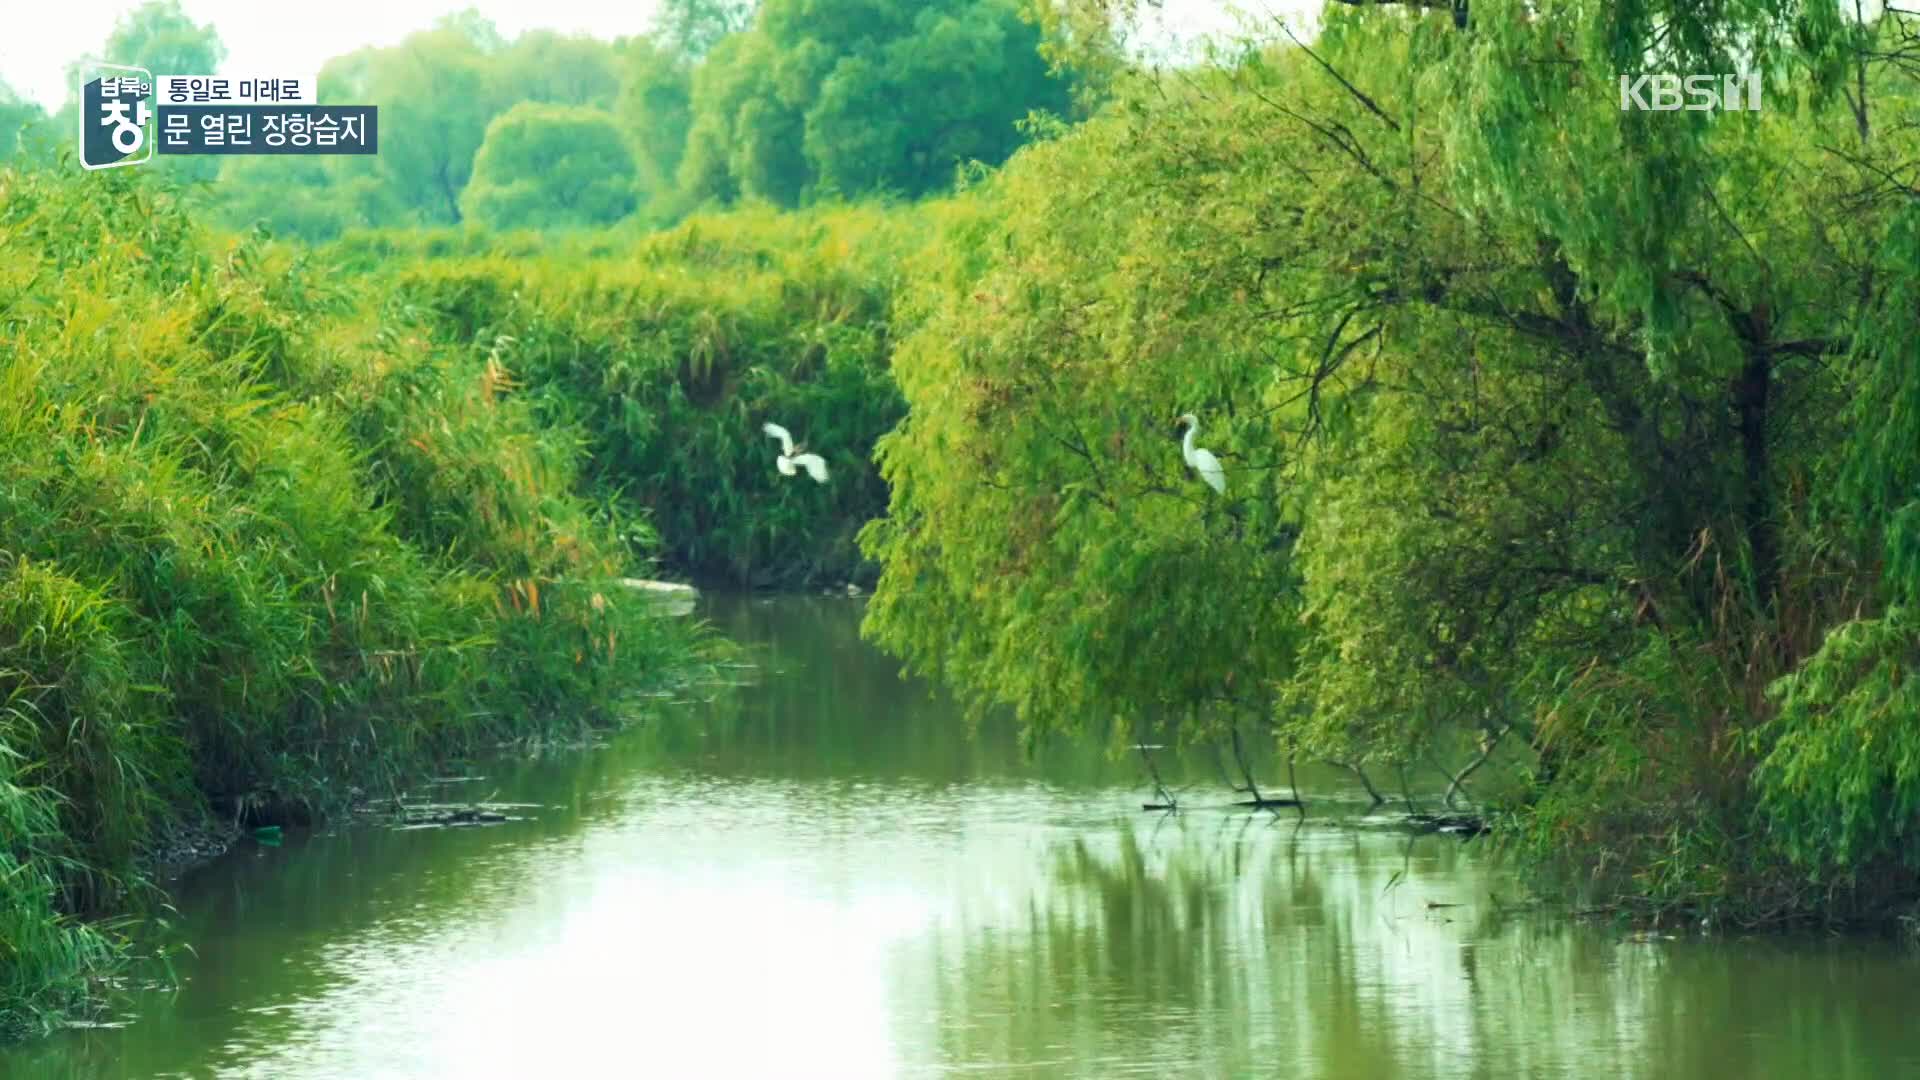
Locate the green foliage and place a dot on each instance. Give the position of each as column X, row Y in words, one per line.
column 1640, row 797
column 312, row 198
column 548, row 166
column 369, row 250
column 160, row 37
column 262, row 543
column 1880, row 483
column 852, row 97
column 561, row 69
column 1454, row 554
column 73, row 715
column 656, row 90
column 1088, row 42
column 670, row 356
column 950, row 92
column 1532, row 410
column 1045, row 544
column 1573, row 438
column 47, row 960
column 693, row 27
column 795, row 103
column 720, row 159
column 1840, row 779
column 19, row 119
column 439, row 86
column 448, row 84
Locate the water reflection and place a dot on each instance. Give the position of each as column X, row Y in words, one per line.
column 1297, row 952
column 819, row 875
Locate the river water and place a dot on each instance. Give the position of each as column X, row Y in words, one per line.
column 818, row 873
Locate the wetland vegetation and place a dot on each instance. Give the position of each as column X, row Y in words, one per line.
column 1569, row 454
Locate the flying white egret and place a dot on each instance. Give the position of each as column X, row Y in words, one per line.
column 1203, row 461
column 815, row 465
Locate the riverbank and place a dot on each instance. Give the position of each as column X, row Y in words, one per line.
column 262, row 545
column 913, row 900
column 1380, row 451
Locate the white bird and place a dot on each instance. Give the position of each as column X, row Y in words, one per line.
column 1203, row 461
column 815, row 465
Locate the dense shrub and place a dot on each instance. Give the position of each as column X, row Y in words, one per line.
column 670, row 355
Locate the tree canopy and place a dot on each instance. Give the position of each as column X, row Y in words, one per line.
column 438, row 87
column 654, row 108
column 160, row 37
column 1549, row 427
column 860, row 96
column 545, row 166
column 789, row 101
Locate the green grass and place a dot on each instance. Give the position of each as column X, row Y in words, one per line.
column 263, row 537
column 48, row 961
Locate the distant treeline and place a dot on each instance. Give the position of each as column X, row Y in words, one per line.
column 788, row 102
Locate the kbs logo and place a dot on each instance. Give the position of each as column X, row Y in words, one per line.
column 1703, row 92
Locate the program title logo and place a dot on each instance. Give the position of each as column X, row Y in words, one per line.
column 127, row 115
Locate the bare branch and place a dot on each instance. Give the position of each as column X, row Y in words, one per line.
column 1372, row 107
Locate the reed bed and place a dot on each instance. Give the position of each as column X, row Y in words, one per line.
column 669, row 357
column 267, row 535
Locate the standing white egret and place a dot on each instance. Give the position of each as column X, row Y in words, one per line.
column 815, row 465
column 1203, row 461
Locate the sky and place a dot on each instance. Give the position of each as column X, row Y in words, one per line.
column 274, row 38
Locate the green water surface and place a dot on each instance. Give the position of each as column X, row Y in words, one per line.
column 818, row 874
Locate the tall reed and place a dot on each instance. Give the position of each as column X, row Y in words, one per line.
column 263, row 540
column 670, row 354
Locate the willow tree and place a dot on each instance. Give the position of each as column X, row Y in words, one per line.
column 1532, row 404
column 1707, row 275
column 1841, row 772
column 1046, row 546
